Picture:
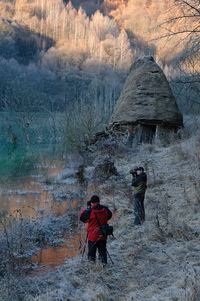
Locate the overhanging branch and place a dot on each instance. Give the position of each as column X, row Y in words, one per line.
column 191, row 6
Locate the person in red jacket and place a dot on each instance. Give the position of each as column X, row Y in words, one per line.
column 95, row 239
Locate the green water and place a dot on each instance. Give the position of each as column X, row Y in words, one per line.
column 25, row 160
column 29, row 140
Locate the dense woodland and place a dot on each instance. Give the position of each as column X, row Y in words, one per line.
column 63, row 65
column 56, row 56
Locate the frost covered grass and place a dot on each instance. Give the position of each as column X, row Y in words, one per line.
column 20, row 239
column 156, row 261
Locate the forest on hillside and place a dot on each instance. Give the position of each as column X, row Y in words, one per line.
column 57, row 58
column 63, row 65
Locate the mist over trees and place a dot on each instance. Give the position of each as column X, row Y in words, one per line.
column 62, row 68
column 79, row 52
column 53, row 55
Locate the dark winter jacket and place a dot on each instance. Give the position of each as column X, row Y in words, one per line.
column 88, row 216
column 140, row 183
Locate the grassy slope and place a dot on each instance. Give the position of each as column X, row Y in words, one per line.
column 160, row 259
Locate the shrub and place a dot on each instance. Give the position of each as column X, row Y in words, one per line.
column 82, row 122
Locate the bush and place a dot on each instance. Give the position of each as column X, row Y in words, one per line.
column 21, row 237
column 82, row 122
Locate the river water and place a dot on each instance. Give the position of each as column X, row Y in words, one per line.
column 32, row 195
column 50, row 258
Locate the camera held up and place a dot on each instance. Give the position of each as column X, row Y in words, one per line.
column 89, row 204
column 134, row 172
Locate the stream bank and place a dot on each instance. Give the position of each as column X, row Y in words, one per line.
column 39, row 214
column 156, row 261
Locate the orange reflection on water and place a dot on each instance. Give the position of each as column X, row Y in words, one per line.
column 51, row 257
column 33, row 199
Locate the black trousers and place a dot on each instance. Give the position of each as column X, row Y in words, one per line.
column 92, row 248
column 139, row 211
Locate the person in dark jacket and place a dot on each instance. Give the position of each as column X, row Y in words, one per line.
column 95, row 239
column 139, row 182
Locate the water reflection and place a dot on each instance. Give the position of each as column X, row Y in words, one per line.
column 50, row 257
column 35, row 198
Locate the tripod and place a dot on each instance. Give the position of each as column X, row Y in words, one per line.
column 85, row 243
column 84, row 248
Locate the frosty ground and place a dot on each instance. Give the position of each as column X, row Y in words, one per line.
column 156, row 261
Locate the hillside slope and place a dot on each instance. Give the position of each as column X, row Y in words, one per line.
column 158, row 260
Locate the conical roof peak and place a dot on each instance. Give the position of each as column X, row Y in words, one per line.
column 146, row 96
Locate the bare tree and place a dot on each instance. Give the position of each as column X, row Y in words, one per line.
column 181, row 30
column 182, row 20
column 81, row 123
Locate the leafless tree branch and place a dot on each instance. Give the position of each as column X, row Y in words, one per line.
column 190, row 5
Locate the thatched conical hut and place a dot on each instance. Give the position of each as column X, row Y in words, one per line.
column 146, row 105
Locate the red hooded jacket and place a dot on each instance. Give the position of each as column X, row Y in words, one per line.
column 88, row 216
